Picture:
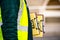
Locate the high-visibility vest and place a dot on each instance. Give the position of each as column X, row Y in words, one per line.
column 24, row 24
column 1, row 37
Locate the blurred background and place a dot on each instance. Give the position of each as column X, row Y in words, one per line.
column 51, row 11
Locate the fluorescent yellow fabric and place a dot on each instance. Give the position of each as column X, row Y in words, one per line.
column 24, row 17
column 23, row 35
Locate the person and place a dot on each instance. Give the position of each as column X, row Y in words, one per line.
column 9, row 13
column 13, row 27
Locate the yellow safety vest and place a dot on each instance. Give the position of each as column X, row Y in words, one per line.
column 23, row 22
column 1, row 37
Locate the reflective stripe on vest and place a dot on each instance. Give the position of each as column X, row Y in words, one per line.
column 23, row 28
column 0, row 24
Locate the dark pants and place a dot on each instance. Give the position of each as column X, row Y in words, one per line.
column 9, row 12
